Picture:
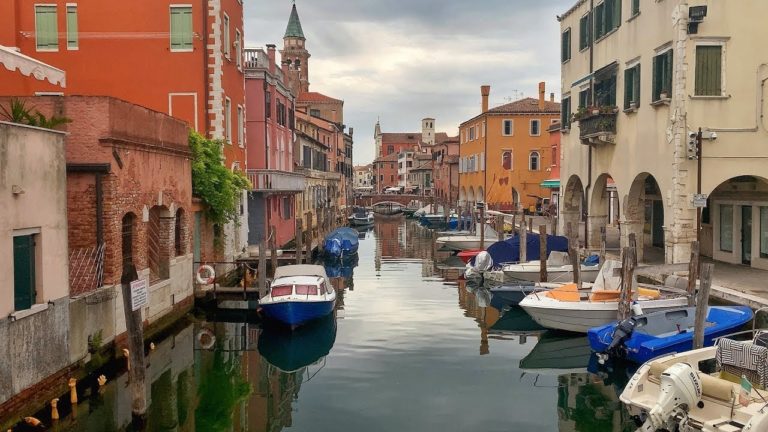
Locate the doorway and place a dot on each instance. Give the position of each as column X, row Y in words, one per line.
column 746, row 235
column 23, row 272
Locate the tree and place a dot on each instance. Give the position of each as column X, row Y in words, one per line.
column 218, row 187
column 18, row 111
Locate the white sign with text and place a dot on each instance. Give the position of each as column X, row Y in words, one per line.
column 139, row 294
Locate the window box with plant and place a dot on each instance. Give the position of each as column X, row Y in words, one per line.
column 597, row 124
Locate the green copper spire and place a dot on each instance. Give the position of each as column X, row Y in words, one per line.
column 294, row 25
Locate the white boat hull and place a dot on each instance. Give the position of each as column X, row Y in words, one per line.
column 580, row 316
column 466, row 242
column 532, row 273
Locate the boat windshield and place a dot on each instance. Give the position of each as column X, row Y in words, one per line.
column 306, row 289
column 282, row 290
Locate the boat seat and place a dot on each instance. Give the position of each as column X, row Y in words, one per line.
column 604, row 295
column 565, row 293
column 648, row 293
column 710, row 386
column 743, row 358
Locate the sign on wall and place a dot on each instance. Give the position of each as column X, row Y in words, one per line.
column 139, row 294
column 699, row 200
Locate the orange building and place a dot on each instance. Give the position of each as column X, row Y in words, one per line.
column 180, row 59
column 505, row 152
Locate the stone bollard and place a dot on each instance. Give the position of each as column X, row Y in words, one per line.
column 72, row 391
column 54, row 409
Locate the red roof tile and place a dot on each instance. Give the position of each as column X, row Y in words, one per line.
column 317, row 97
column 527, row 106
column 410, row 138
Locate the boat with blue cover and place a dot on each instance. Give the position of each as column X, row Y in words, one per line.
column 341, row 242
column 645, row 337
column 298, row 294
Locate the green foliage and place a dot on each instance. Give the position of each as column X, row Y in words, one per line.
column 222, row 388
column 19, row 112
column 216, row 185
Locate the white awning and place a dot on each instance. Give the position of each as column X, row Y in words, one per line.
column 13, row 60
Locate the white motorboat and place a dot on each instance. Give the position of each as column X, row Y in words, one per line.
column 299, row 293
column 567, row 308
column 469, row 242
column 559, row 269
column 713, row 389
column 362, row 218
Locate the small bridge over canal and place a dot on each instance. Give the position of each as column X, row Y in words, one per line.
column 404, row 200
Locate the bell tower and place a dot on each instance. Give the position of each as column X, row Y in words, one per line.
column 295, row 55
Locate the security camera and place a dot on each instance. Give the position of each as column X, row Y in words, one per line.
column 692, row 134
column 713, row 136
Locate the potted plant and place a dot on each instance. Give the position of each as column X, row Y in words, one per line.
column 664, row 94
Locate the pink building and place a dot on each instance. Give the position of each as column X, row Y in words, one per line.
column 269, row 136
column 446, row 170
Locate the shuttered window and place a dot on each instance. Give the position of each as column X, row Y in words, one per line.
column 181, row 28
column 72, row 37
column 584, row 98
column 46, row 28
column 565, row 112
column 565, row 49
column 585, row 31
column 635, row 7
column 23, row 272
column 662, row 75
column 632, row 87
column 607, row 17
column 709, row 63
column 535, row 128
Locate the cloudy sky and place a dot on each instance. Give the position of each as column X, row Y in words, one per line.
column 403, row 60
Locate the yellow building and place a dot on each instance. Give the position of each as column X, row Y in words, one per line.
column 505, row 153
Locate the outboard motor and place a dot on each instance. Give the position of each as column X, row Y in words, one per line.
column 621, row 333
column 483, row 261
column 680, row 389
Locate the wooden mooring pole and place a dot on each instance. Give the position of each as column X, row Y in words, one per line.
column 603, row 238
column 133, row 325
column 262, row 266
column 500, row 227
column 627, row 276
column 523, row 241
column 299, row 240
column 693, row 273
column 573, row 254
column 543, row 253
column 702, row 305
column 273, row 249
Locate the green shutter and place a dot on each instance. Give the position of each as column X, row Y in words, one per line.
column 565, row 49
column 709, row 70
column 628, row 84
column 616, row 14
column 636, row 95
column 72, row 36
column 46, row 28
column 23, row 272
column 181, row 28
column 635, row 7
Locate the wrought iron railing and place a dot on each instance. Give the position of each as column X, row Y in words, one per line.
column 597, row 125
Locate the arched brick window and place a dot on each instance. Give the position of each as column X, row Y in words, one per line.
column 159, row 231
column 534, row 161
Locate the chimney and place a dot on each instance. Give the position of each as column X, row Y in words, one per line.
column 542, row 94
column 284, row 67
column 551, row 97
column 271, row 55
column 333, row 116
column 485, row 91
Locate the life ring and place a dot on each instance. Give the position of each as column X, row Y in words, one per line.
column 206, row 339
column 210, row 275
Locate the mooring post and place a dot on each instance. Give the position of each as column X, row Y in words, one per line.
column 554, row 225
column 633, row 245
column 133, row 326
column 299, row 240
column 530, row 224
column 514, row 224
column 693, row 273
column 543, row 253
column 573, row 254
column 500, row 227
column 262, row 266
column 523, row 242
column 627, row 276
column 273, row 248
column 702, row 304
column 602, row 245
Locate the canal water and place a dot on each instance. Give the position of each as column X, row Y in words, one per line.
column 409, row 349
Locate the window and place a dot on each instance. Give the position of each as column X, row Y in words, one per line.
column 635, row 7
column 72, row 38
column 390, row 150
column 471, row 133
column 228, row 120
column 24, row 279
column 506, row 160
column 726, row 228
column 181, row 28
column 565, row 112
column 178, row 238
column 508, row 127
column 226, row 36
column 565, row 48
column 662, row 75
column 46, row 28
column 535, row 127
column 238, row 49
column 534, row 161
column 709, row 72
column 240, row 127
column 287, row 208
column 607, row 17
column 585, row 31
column 763, row 232
column 269, row 105
column 585, row 98
column 314, row 112
column 605, row 88
column 632, row 87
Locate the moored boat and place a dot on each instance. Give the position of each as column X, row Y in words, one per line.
column 298, row 294
column 644, row 337
column 469, row 242
column 559, row 269
column 341, row 242
column 362, row 218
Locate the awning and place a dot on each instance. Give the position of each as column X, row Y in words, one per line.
column 551, row 184
column 28, row 66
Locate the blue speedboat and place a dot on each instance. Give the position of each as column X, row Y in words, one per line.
column 298, row 294
column 341, row 242
column 644, row 337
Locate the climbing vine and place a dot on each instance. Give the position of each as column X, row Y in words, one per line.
column 219, row 187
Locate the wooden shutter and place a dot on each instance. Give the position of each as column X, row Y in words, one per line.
column 181, row 28
column 46, row 28
column 709, row 70
column 23, row 272
column 72, row 36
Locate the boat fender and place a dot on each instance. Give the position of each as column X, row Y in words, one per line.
column 206, row 339
column 205, row 275
column 637, row 309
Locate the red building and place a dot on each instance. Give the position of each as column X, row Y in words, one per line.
column 553, row 182
column 385, row 172
column 269, row 131
column 446, row 170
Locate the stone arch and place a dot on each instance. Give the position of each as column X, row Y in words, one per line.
column 735, row 221
column 644, row 214
column 572, row 204
column 603, row 207
column 515, row 200
column 471, row 194
column 159, row 242
column 463, row 194
column 480, row 194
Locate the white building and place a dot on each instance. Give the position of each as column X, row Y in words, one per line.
column 641, row 77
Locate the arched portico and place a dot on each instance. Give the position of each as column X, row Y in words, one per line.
column 571, row 206
column 603, row 208
column 644, row 217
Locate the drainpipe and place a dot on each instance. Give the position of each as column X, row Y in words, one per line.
column 592, row 90
column 204, row 13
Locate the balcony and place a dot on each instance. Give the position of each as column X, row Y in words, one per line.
column 273, row 181
column 598, row 129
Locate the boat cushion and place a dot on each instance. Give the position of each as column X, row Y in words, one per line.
column 739, row 358
column 606, row 295
column 565, row 293
column 648, row 293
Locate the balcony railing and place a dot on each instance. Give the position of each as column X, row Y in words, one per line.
column 598, row 128
column 275, row 181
